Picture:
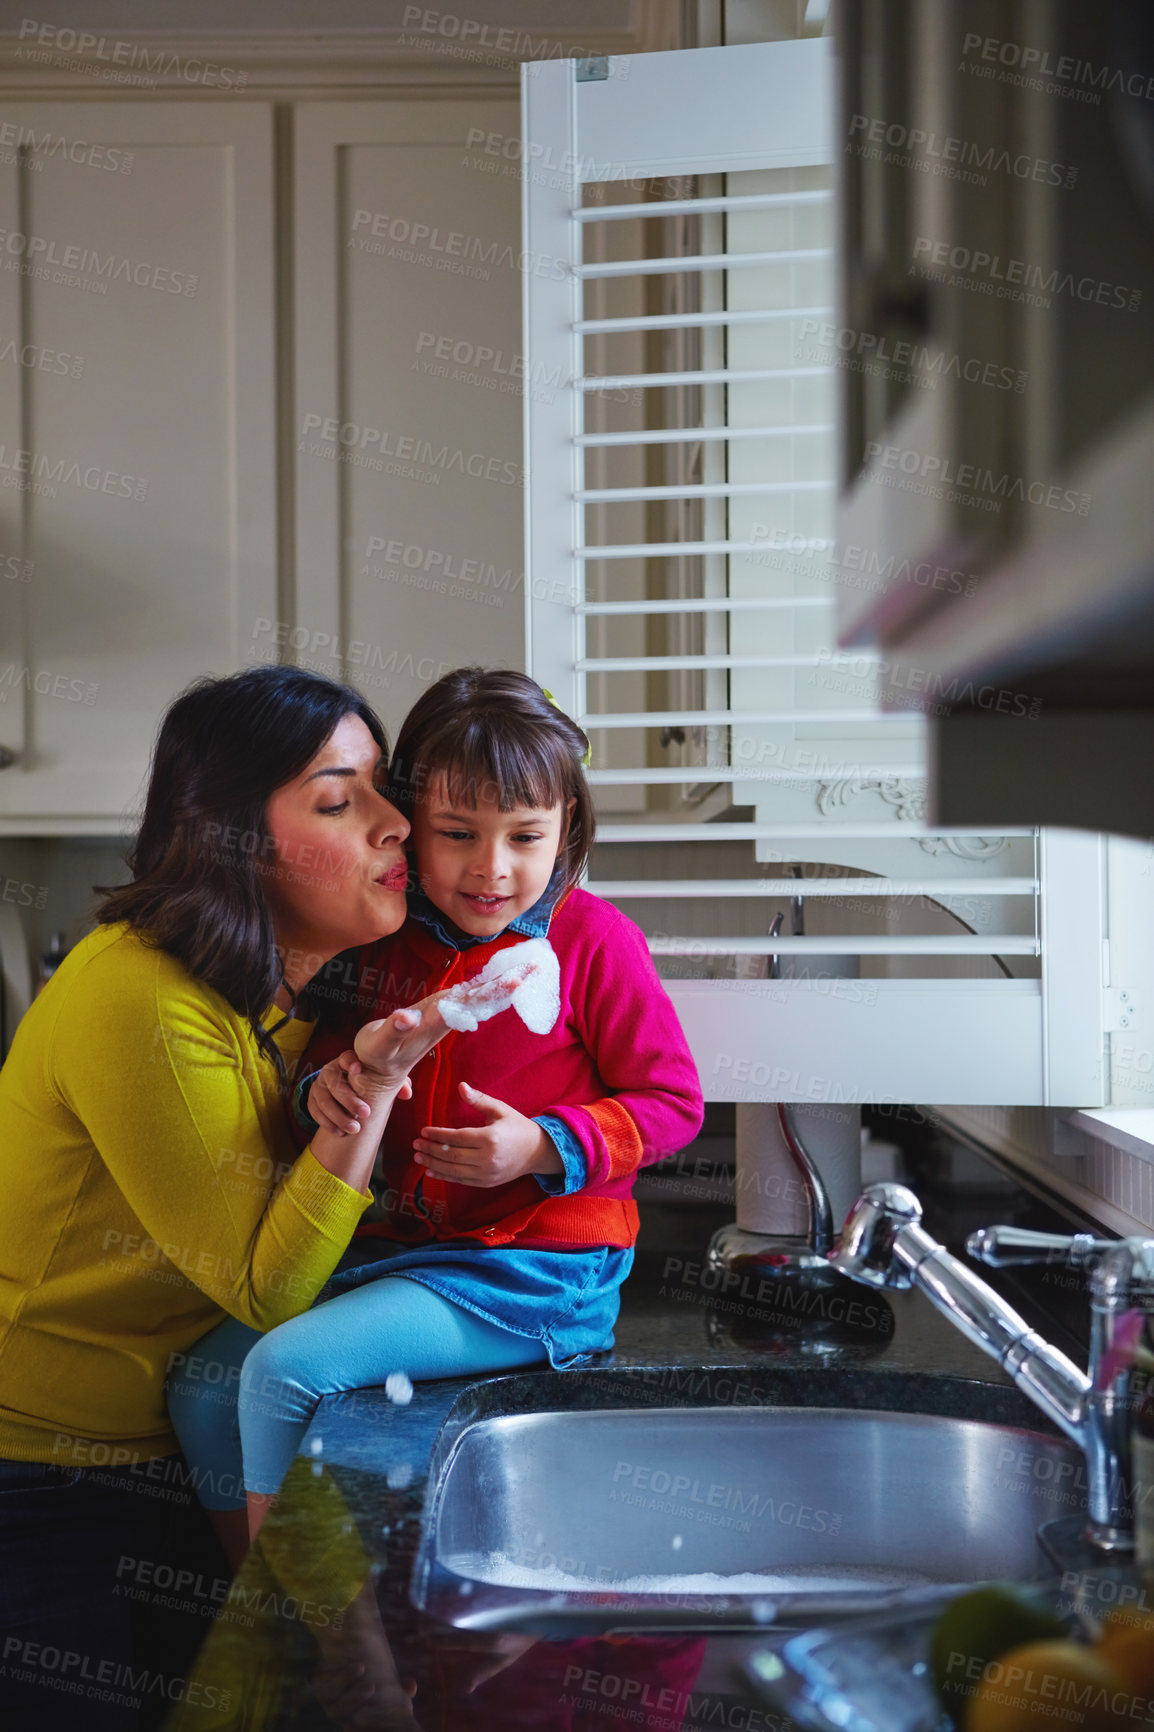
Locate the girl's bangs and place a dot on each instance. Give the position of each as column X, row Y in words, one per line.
column 488, row 764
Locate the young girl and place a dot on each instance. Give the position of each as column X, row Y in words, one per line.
column 504, row 1222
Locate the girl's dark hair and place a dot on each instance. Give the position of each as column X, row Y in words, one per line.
column 493, row 732
column 203, row 847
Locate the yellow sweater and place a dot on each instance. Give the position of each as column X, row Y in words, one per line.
column 148, row 1185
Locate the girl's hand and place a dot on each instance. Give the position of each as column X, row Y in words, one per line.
column 505, row 1147
column 333, row 1100
column 390, row 1047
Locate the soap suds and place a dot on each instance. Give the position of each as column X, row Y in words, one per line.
column 537, row 1000
column 499, row 1569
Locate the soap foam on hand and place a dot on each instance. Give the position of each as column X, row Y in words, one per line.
column 537, row 1000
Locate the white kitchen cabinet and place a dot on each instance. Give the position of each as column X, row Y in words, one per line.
column 140, row 489
column 138, row 527
column 998, row 415
column 408, row 401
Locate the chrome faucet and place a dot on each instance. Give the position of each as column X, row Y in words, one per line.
column 884, row 1245
column 782, row 1256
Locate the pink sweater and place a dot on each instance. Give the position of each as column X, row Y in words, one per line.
column 615, row 1068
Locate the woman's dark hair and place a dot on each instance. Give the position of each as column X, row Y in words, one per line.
column 224, row 746
column 493, row 732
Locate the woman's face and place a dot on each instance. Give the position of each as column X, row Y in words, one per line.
column 340, row 871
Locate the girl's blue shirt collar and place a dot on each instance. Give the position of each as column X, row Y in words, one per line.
column 534, row 923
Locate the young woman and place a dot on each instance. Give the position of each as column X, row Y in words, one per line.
column 149, row 1182
column 504, row 1220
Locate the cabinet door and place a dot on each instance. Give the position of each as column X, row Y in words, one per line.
column 410, row 501
column 932, row 345
column 137, row 457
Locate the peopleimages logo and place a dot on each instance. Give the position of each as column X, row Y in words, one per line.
column 41, row 146
column 491, row 44
column 64, row 1668
column 919, row 357
column 456, row 248
column 928, row 149
column 1041, row 68
column 896, row 679
column 968, row 482
column 111, row 55
column 36, row 471
column 1017, row 279
column 41, row 250
column 349, row 439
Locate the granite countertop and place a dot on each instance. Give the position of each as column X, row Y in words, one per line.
column 351, row 1510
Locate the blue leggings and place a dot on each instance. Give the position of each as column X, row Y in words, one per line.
column 244, row 1395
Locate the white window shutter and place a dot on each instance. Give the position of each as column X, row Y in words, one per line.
column 680, row 605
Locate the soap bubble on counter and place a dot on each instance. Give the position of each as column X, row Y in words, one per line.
column 398, row 1388
column 399, row 1475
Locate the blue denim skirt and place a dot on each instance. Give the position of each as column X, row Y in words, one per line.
column 567, row 1300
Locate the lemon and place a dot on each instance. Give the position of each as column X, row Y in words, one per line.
column 979, row 1627
column 1044, row 1685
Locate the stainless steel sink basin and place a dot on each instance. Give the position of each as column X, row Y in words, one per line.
column 740, row 1516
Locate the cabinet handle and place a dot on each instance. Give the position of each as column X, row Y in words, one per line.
column 7, row 758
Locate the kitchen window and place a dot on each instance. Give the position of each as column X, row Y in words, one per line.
column 683, row 586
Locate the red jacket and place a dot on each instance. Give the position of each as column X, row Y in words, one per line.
column 615, row 1068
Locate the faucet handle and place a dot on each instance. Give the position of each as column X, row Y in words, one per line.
column 1002, row 1247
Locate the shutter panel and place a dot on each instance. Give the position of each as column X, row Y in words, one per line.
column 682, row 574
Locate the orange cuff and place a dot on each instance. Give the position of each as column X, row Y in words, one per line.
column 622, row 1139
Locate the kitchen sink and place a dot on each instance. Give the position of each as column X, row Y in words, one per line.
column 644, row 1517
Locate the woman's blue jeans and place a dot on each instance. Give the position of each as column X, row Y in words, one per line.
column 109, row 1581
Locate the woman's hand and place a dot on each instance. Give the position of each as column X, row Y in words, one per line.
column 386, row 1051
column 333, row 1100
column 507, row 1146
